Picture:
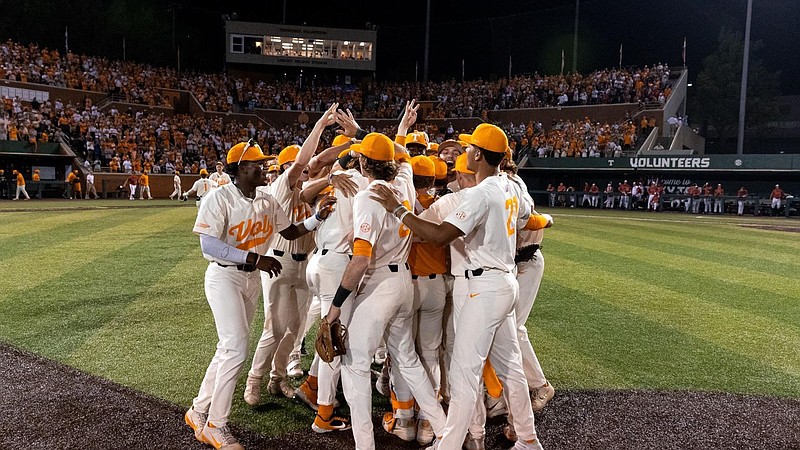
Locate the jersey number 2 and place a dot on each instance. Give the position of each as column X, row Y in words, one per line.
column 512, row 205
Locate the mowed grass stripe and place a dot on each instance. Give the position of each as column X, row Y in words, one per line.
column 724, row 231
column 648, row 351
column 166, row 327
column 690, row 262
column 761, row 339
column 55, row 322
column 26, row 232
column 762, row 262
column 77, row 248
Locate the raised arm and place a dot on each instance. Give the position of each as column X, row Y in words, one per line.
column 310, row 145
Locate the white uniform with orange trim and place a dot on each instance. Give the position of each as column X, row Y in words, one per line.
column 201, row 187
column 529, row 277
column 382, row 306
column 232, row 294
column 286, row 297
column 220, row 178
column 486, row 325
column 325, row 269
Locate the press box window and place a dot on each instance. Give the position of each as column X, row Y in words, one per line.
column 237, row 43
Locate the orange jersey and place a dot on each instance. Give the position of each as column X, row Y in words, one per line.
column 426, row 258
column 144, row 180
column 20, row 180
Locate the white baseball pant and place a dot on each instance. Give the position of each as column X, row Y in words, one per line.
column 448, row 334
column 324, row 273
column 142, row 192
column 486, row 327
column 383, row 307
column 233, row 298
column 529, row 277
column 740, row 211
column 286, row 299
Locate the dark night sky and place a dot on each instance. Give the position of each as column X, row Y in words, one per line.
column 534, row 32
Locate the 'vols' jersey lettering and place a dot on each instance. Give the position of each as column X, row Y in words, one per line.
column 258, row 230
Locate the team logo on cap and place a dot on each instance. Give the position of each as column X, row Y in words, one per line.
column 365, row 228
column 461, row 215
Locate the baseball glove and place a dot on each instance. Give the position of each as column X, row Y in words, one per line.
column 330, row 340
column 526, row 253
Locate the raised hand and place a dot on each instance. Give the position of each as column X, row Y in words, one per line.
column 329, row 116
column 409, row 117
column 347, row 122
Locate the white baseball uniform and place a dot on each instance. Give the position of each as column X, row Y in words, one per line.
column 529, row 277
column 220, row 178
column 176, row 182
column 286, row 297
column 382, row 307
column 325, row 270
column 486, row 324
column 201, row 187
column 232, row 293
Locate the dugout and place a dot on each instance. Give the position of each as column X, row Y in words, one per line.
column 52, row 160
column 757, row 173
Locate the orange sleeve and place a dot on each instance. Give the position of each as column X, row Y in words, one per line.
column 400, row 140
column 536, row 222
column 362, row 248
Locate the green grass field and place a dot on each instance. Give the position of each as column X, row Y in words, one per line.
column 629, row 300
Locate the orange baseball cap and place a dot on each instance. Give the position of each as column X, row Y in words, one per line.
column 461, row 164
column 244, row 151
column 441, row 167
column 375, row 146
column 487, row 136
column 423, row 166
column 205, row 172
column 339, row 140
column 288, row 154
column 417, row 137
column 433, row 146
column 274, row 168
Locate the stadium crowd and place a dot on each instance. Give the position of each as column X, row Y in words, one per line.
column 141, row 83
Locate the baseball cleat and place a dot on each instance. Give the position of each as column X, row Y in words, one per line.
column 382, row 384
column 495, row 406
column 528, row 445
column 380, row 356
column 473, row 443
column 279, row 386
column 405, row 429
column 195, row 420
column 425, row 434
column 220, row 437
column 307, row 395
column 510, row 433
column 252, row 390
column 295, row 368
column 541, row 396
column 335, row 423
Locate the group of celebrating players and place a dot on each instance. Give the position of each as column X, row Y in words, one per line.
column 436, row 257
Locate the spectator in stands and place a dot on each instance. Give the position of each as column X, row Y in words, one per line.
column 776, row 196
column 741, row 195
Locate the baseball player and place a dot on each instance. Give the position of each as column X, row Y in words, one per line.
column 133, row 182
column 144, row 182
column 325, row 269
column 625, row 190
column 719, row 201
column 176, row 182
column 90, row 189
column 220, row 177
column 741, row 195
column 20, row 185
column 530, row 270
column 201, row 187
column 449, row 150
column 236, row 224
column 71, row 177
column 487, row 218
column 776, row 196
column 286, row 297
column 382, row 305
